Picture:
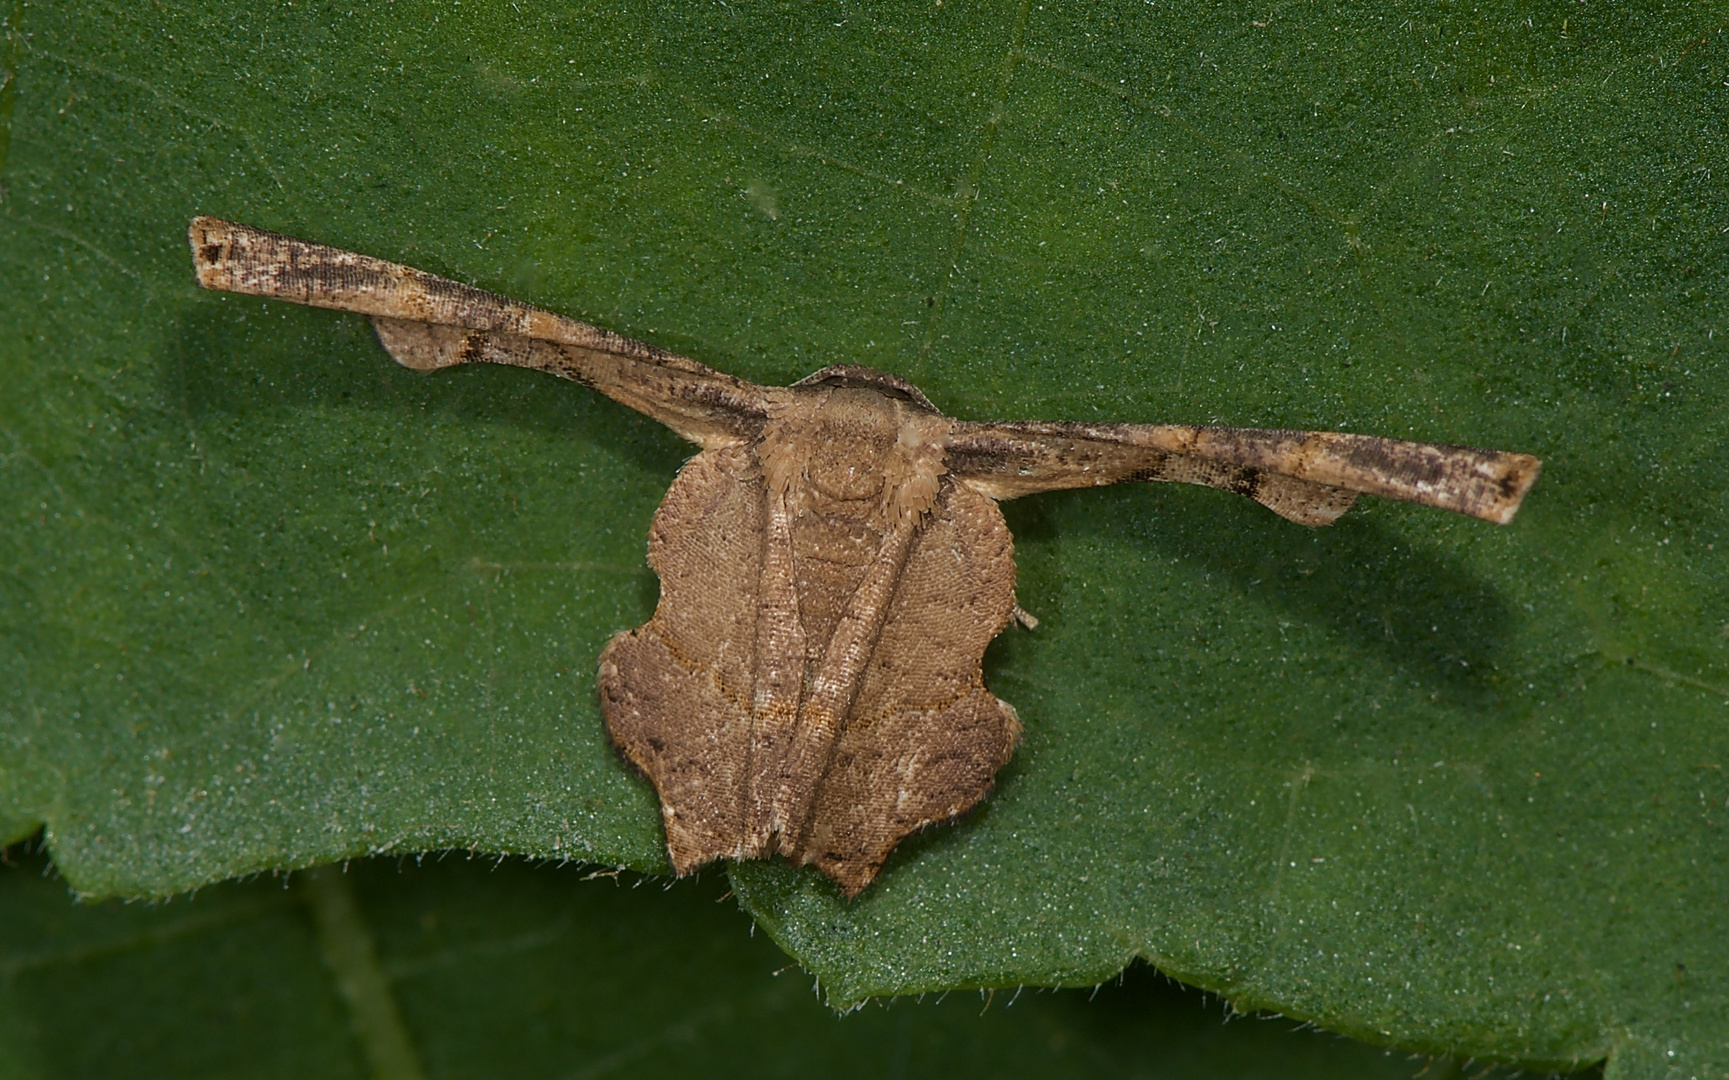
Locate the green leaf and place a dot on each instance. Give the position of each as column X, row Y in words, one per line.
column 462, row 969
column 267, row 600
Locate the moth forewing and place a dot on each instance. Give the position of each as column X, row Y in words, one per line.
column 428, row 322
column 1013, row 458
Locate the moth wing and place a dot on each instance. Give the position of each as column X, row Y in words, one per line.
column 925, row 738
column 676, row 691
column 1301, row 501
column 428, row 322
column 1310, row 477
column 706, row 407
column 230, row 257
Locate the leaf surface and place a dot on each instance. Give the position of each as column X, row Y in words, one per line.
column 268, row 601
column 511, row 970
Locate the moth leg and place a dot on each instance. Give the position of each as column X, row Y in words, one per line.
column 428, row 322
column 1310, row 477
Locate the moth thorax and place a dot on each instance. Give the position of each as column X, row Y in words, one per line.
column 854, row 448
column 844, row 461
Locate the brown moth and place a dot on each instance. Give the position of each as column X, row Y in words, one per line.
column 833, row 562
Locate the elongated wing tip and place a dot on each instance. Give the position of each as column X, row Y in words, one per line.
column 209, row 238
column 212, row 241
column 1484, row 484
column 1511, row 477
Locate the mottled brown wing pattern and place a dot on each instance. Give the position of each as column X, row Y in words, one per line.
column 676, row 691
column 925, row 738
column 427, row 322
column 705, row 407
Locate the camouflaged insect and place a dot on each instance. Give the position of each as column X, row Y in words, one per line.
column 833, row 562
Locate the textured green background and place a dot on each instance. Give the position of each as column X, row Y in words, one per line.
column 531, row 972
column 267, row 600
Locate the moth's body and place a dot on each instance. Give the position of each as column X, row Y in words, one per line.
column 832, row 562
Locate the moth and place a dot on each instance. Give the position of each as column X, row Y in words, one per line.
column 832, row 561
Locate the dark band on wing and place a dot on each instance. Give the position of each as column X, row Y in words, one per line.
column 1244, row 482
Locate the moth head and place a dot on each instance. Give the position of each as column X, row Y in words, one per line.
column 857, row 376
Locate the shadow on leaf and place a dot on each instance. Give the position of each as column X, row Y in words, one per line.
column 241, row 357
column 1418, row 609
